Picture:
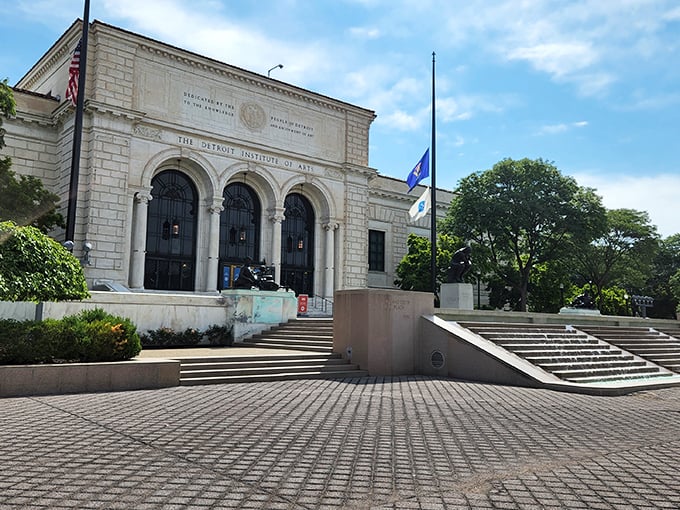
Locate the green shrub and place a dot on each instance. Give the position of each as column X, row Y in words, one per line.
column 100, row 336
column 92, row 335
column 167, row 337
column 34, row 267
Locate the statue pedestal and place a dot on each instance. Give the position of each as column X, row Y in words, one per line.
column 456, row 295
column 565, row 310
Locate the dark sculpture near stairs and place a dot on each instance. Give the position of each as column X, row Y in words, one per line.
column 460, row 265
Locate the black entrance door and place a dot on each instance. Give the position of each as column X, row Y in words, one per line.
column 171, row 233
column 239, row 231
column 297, row 245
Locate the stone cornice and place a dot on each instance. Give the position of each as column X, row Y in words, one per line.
column 401, row 197
column 361, row 170
column 55, row 56
column 115, row 111
column 31, row 118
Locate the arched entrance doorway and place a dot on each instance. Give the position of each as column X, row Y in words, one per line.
column 171, row 233
column 239, row 231
column 297, row 245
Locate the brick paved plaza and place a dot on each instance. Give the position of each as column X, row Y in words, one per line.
column 379, row 443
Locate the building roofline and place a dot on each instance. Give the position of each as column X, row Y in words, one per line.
column 211, row 62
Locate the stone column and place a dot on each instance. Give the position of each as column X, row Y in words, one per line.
column 276, row 218
column 329, row 280
column 137, row 260
column 213, row 246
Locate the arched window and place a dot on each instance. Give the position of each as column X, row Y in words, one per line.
column 171, row 233
column 297, row 245
column 239, row 230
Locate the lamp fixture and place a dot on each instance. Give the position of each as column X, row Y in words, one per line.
column 300, row 243
column 175, row 228
column 242, row 235
column 87, row 248
column 278, row 66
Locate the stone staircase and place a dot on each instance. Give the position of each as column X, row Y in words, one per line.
column 311, row 339
column 303, row 334
column 648, row 343
column 568, row 353
column 265, row 367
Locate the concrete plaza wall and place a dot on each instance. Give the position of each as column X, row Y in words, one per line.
column 380, row 326
column 137, row 374
column 246, row 311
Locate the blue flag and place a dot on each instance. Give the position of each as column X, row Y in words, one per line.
column 420, row 171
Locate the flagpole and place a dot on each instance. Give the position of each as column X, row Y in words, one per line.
column 433, row 228
column 77, row 130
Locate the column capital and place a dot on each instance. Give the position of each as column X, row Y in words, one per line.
column 277, row 215
column 143, row 197
column 215, row 209
column 330, row 226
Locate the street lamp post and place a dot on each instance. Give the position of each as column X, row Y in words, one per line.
column 278, row 66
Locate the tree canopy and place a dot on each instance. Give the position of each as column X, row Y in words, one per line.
column 25, row 201
column 622, row 255
column 414, row 271
column 34, row 267
column 521, row 214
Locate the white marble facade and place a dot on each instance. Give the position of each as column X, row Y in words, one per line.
column 151, row 107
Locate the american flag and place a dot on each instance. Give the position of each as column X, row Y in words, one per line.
column 73, row 74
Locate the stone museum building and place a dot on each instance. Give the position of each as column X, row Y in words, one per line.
column 189, row 165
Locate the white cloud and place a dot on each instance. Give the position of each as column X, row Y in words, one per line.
column 557, row 58
column 365, row 32
column 655, row 194
column 554, row 129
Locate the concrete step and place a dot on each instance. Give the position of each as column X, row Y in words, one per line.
column 263, row 370
column 579, row 373
column 281, row 345
column 282, row 376
column 302, row 335
column 555, row 347
column 556, row 339
column 270, row 366
column 585, row 358
column 557, row 367
column 619, row 377
column 229, row 363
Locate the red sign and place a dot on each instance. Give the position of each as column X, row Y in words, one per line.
column 302, row 303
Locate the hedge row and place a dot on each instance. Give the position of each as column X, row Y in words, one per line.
column 91, row 335
column 167, row 337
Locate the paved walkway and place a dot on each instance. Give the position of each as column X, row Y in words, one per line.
column 373, row 443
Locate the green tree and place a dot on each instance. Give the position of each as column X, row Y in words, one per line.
column 523, row 213
column 674, row 283
column 549, row 287
column 34, row 267
column 622, row 256
column 24, row 199
column 660, row 285
column 415, row 269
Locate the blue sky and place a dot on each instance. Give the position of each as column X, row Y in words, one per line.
column 591, row 85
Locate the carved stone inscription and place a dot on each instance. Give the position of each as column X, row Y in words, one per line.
column 244, row 154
